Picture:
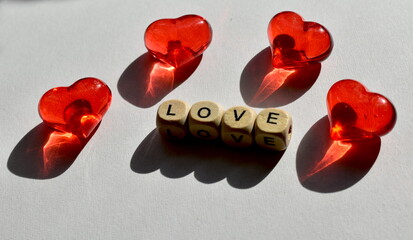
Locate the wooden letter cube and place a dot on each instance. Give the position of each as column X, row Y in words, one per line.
column 237, row 126
column 205, row 119
column 273, row 128
column 171, row 119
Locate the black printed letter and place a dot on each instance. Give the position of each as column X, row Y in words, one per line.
column 208, row 112
column 236, row 115
column 169, row 111
column 271, row 117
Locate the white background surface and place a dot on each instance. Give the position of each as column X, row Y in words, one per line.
column 44, row 44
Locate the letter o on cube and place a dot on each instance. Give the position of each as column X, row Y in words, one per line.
column 204, row 120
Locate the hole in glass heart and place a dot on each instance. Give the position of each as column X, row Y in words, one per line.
column 284, row 41
column 75, row 110
column 178, row 54
column 343, row 125
column 79, row 116
column 344, row 113
column 284, row 53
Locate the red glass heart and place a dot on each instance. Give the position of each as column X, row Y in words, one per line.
column 76, row 109
column 295, row 43
column 357, row 114
column 178, row 41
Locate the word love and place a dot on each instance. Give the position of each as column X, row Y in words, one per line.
column 238, row 126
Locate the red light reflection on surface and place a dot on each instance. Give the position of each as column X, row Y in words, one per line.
column 147, row 80
column 271, row 83
column 161, row 80
column 59, row 148
column 335, row 152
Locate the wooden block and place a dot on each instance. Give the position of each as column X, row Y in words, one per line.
column 171, row 119
column 273, row 128
column 204, row 120
column 237, row 126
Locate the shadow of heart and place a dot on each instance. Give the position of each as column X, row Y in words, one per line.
column 146, row 81
column 324, row 165
column 264, row 86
